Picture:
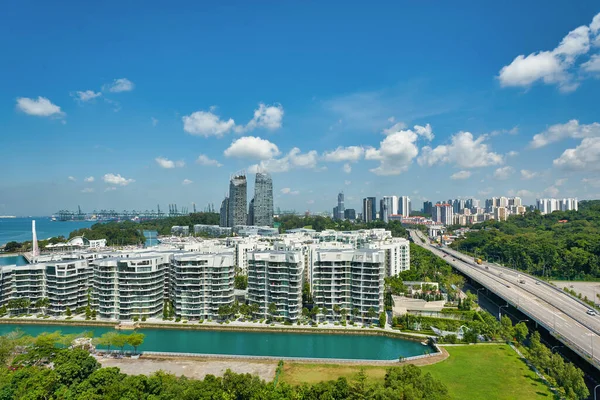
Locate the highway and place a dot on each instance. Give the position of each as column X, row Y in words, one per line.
column 562, row 315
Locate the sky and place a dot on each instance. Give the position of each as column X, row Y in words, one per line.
column 126, row 105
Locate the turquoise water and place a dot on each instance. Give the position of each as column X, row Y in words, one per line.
column 151, row 238
column 359, row 347
column 19, row 229
column 12, row 260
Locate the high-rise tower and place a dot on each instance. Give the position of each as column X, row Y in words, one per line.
column 340, row 207
column 224, row 212
column 263, row 200
column 237, row 201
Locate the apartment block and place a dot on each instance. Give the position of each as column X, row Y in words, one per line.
column 396, row 252
column 352, row 280
column 275, row 277
column 201, row 283
column 68, row 284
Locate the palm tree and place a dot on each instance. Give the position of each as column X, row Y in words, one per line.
column 355, row 313
column 42, row 304
column 272, row 309
column 371, row 314
column 343, row 313
column 336, row 309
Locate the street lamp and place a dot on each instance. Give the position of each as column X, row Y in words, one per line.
column 553, row 347
column 597, row 386
column 500, row 311
column 523, row 320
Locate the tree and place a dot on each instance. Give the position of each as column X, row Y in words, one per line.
column 382, row 319
column 135, row 340
column 506, row 329
column 42, row 304
column 108, row 339
column 241, row 282
column 344, row 313
column 336, row 309
column 272, row 310
column 355, row 313
column 521, row 331
column 371, row 313
column 120, row 341
column 68, row 312
column 74, row 366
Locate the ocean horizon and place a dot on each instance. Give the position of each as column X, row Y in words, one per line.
column 19, row 229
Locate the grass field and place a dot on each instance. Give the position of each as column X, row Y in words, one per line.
column 471, row 372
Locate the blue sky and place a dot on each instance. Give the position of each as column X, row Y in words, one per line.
column 162, row 103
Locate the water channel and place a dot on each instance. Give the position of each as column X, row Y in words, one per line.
column 358, row 347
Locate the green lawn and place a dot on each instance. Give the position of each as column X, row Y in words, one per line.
column 486, row 372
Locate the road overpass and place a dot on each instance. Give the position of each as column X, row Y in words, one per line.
column 563, row 315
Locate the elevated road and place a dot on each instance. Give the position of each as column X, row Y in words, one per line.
column 564, row 316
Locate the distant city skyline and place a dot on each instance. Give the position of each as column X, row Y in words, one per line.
column 504, row 106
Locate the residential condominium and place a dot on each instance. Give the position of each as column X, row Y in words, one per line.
column 397, row 254
column 275, row 277
column 237, row 209
column 200, row 284
column 124, row 288
column 352, row 280
column 26, row 281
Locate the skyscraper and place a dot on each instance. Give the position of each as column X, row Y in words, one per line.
column 427, row 206
column 224, row 212
column 388, row 206
column 237, row 201
column 404, row 206
column 369, row 209
column 251, row 213
column 263, row 200
column 340, row 206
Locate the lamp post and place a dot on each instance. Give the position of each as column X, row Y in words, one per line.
column 500, row 311
column 597, row 386
column 553, row 347
column 523, row 320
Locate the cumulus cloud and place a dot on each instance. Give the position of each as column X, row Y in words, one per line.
column 89, row 179
column 461, row 175
column 351, row 153
column 186, row 182
column 119, row 85
column 551, row 191
column 72, row 178
column 512, row 153
column 586, row 156
column 40, row 107
column 252, row 148
column 464, row 151
column 289, row 191
column 553, row 66
column 87, row 190
column 572, row 129
column 207, row 123
column 503, row 173
column 593, row 65
column 526, row 174
column 347, row 168
column 294, row 159
column 86, row 95
column 265, row 116
column 208, row 162
column 168, row 164
column 424, row 131
column 117, row 179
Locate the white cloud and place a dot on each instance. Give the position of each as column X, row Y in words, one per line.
column 289, row 191
column 560, row 182
column 351, row 153
column 551, row 191
column 154, row 121
column 592, row 65
column 119, row 85
column 571, row 129
column 461, row 175
column 40, row 107
column 89, row 179
column 265, row 116
column 206, row 161
column 87, row 190
column 512, row 153
column 117, row 179
column 594, row 182
column 526, row 174
column 294, row 159
column 347, row 183
column 86, row 95
column 503, row 173
column 72, row 178
column 110, row 189
column 521, row 193
column 252, row 148
column 205, row 123
column 186, row 182
column 464, row 152
column 347, row 168
column 168, row 164
column 424, row 131
column 586, row 156
column 551, row 67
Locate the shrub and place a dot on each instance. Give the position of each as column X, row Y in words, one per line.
column 201, row 321
column 144, row 318
column 177, row 319
column 135, row 319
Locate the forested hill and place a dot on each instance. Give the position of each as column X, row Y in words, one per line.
column 564, row 244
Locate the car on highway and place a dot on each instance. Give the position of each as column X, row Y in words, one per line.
column 591, row 312
column 537, row 283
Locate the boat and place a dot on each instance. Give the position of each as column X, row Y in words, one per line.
column 53, row 218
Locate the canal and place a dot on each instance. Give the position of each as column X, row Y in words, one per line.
column 357, row 347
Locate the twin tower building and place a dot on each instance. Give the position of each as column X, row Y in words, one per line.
column 235, row 210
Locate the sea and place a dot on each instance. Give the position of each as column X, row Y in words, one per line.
column 19, row 229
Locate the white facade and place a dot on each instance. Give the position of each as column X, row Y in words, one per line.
column 389, row 206
column 397, row 254
column 404, row 206
column 548, row 206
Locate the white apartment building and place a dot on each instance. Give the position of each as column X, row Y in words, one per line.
column 442, row 213
column 68, row 285
column 352, row 280
column 548, row 206
column 124, row 288
column 201, row 283
column 500, row 214
column 404, row 206
column 397, row 254
column 25, row 281
column 388, row 206
column 276, row 277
